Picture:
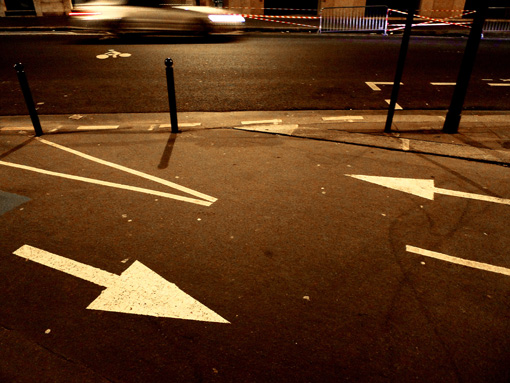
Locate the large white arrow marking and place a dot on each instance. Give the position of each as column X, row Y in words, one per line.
column 138, row 290
column 424, row 188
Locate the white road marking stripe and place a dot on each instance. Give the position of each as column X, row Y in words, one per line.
column 397, row 106
column 97, row 127
column 342, row 118
column 181, row 125
column 443, row 83
column 274, row 122
column 458, row 261
column 131, row 171
column 68, row 266
column 373, row 85
column 284, row 129
column 109, row 184
column 497, row 84
column 14, row 128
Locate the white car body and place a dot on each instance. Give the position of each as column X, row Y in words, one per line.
column 149, row 16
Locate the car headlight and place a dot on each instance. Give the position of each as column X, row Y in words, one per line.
column 226, row 18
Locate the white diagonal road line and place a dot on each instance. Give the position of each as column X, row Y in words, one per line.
column 458, row 261
column 131, row 171
column 109, row 184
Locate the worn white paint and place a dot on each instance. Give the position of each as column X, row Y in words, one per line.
column 373, row 84
column 458, row 261
column 343, row 118
column 278, row 129
column 406, row 144
column 443, row 83
column 424, row 188
column 112, row 53
column 397, row 106
column 181, row 125
column 138, row 290
column 259, row 122
column 131, row 171
column 97, row 127
column 16, row 128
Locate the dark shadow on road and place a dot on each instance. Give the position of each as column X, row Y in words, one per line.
column 165, row 158
column 16, row 148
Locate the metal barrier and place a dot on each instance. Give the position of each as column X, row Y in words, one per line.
column 354, row 19
column 498, row 25
column 457, row 18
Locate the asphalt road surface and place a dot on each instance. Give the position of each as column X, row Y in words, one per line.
column 321, row 276
column 85, row 74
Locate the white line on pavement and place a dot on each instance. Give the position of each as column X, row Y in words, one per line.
column 181, row 125
column 397, row 106
column 373, row 85
column 343, row 118
column 274, row 122
column 282, row 129
column 14, row 128
column 109, row 184
column 97, row 127
column 131, row 171
column 458, row 261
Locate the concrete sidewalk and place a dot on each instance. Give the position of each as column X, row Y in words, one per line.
column 483, row 135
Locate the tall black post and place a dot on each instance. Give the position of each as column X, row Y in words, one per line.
column 171, row 94
column 404, row 46
column 23, row 82
column 452, row 121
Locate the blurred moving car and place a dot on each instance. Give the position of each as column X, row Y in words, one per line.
column 154, row 16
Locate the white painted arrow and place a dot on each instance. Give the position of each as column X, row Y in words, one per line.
column 138, row 290
column 424, row 188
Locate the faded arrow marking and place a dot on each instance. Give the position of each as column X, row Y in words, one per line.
column 424, row 188
column 458, row 261
column 138, row 290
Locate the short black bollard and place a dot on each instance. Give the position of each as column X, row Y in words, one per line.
column 171, row 94
column 20, row 70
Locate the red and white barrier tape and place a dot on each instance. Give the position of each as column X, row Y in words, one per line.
column 276, row 9
column 284, row 17
column 264, row 18
column 432, row 20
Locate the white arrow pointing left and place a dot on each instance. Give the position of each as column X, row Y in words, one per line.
column 424, row 188
column 138, row 290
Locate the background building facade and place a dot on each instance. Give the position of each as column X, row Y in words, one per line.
column 62, row 7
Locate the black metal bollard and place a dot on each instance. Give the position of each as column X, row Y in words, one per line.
column 453, row 117
column 171, row 94
column 20, row 70
column 404, row 47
